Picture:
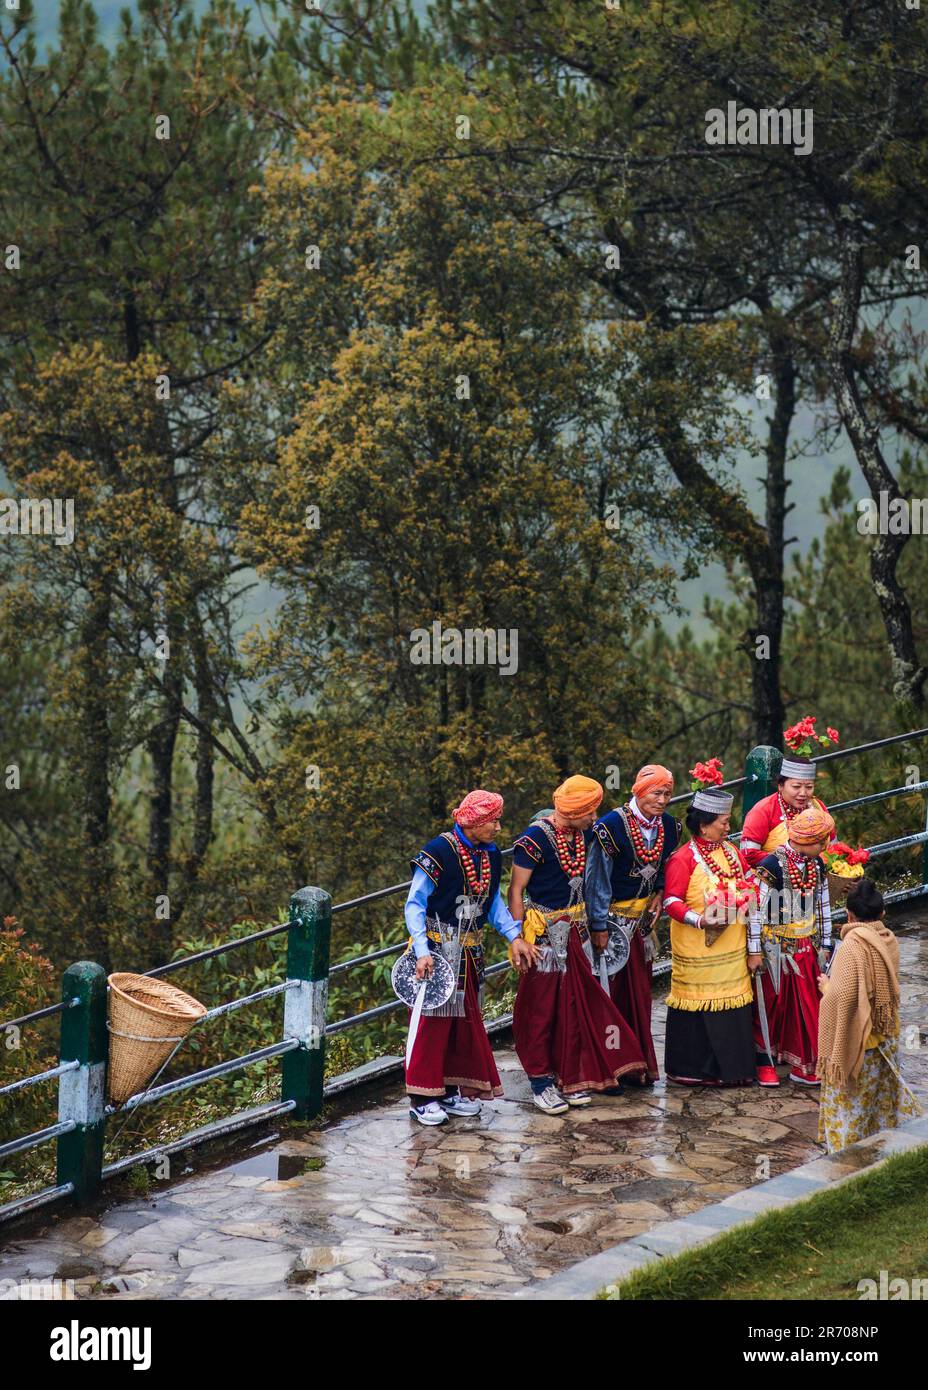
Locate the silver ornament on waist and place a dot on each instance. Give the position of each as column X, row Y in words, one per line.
column 619, row 947
column 439, row 988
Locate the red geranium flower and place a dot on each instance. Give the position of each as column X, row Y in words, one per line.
column 707, row 774
column 801, row 737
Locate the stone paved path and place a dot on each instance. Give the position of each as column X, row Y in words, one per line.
column 370, row 1206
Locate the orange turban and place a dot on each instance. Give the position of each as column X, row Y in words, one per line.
column 811, row 825
column 577, row 796
column 478, row 806
column 652, row 776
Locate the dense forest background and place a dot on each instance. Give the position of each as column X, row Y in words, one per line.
column 336, row 324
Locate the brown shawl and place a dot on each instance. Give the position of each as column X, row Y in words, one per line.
column 862, row 996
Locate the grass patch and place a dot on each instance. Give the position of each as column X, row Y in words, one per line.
column 817, row 1249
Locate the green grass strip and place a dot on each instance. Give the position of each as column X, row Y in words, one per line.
column 818, row 1248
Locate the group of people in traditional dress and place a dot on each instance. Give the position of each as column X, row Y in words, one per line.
column 750, row 937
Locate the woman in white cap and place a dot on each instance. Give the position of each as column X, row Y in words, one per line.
column 709, row 1009
column 766, row 825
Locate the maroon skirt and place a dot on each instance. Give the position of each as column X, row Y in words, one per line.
column 564, row 1025
column 454, row 1052
column 630, row 990
column 792, row 1015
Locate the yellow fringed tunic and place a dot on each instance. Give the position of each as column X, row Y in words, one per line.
column 707, row 977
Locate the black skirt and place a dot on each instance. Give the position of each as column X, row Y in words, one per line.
column 706, row 1045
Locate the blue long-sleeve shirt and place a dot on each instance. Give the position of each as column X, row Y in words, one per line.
column 421, row 888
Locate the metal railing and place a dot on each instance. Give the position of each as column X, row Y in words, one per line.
column 81, row 1072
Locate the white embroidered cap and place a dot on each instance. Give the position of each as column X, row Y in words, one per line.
column 803, row 769
column 713, row 799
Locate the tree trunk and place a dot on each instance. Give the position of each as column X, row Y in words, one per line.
column 205, row 764
column 908, row 675
column 97, row 868
column 161, row 744
column 767, row 698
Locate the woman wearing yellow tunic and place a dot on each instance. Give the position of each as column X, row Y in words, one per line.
column 858, row 1043
column 709, row 1038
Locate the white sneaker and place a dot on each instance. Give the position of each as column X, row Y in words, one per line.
column 551, row 1101
column 579, row 1098
column 459, row 1105
column 430, row 1114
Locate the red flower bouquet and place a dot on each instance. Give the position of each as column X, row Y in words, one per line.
column 707, row 775
column 802, row 739
column 845, row 861
column 845, row 866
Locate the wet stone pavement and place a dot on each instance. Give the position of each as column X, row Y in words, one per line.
column 373, row 1206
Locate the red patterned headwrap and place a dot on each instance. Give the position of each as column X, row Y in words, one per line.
column 478, row 806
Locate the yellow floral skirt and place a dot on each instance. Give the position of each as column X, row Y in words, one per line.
column 878, row 1101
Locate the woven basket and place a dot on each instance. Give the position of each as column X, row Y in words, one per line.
column 838, row 887
column 147, row 1018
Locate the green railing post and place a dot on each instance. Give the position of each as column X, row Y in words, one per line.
column 82, row 1093
column 761, row 770
column 308, row 943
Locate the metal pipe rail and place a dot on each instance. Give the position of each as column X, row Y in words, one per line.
column 216, row 1130
column 39, row 1076
column 262, row 935
column 878, row 796
column 40, row 1013
column 81, row 1071
column 35, row 1200
column 889, row 846
column 199, row 1078
column 32, row 1141
column 246, row 999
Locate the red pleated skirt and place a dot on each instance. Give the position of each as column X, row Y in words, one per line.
column 565, row 1025
column 454, row 1052
column 630, row 990
column 792, row 1015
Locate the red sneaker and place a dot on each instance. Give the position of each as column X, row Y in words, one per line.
column 767, row 1076
column 804, row 1080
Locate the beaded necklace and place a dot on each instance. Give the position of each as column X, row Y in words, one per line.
column 706, row 847
column 572, row 859
column 477, row 886
column 642, row 853
column 791, row 812
column 801, row 870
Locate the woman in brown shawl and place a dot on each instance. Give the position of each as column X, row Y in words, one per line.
column 858, row 1040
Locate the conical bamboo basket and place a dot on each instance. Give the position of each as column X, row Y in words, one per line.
column 147, row 1018
column 839, row 887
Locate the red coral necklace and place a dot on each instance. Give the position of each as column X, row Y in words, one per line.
column 706, row 848
column 787, row 812
column 572, row 858
column 801, row 871
column 643, row 854
column 477, row 886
